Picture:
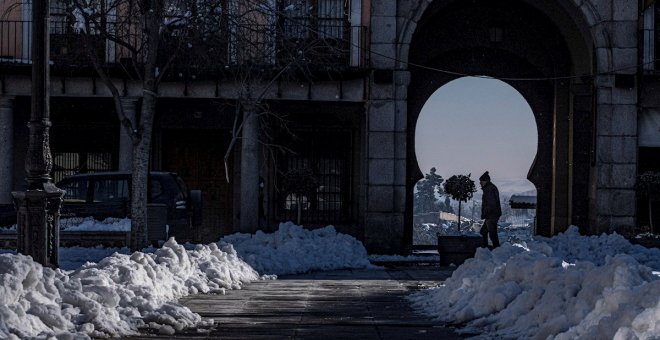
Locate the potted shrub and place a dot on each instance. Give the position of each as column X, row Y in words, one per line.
column 301, row 184
column 460, row 188
column 457, row 248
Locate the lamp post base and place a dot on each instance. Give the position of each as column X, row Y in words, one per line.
column 38, row 223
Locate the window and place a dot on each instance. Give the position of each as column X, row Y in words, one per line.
column 156, row 189
column 649, row 47
column 71, row 163
column 106, row 190
column 76, row 191
column 58, row 17
column 330, row 164
column 304, row 19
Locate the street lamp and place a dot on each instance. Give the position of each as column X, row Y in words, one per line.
column 38, row 216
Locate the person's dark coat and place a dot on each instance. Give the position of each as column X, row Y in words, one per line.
column 490, row 202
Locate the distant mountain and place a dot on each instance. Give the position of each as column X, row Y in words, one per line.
column 510, row 186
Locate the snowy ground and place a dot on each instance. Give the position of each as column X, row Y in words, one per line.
column 123, row 292
column 565, row 287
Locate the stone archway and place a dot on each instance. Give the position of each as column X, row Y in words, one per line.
column 523, row 46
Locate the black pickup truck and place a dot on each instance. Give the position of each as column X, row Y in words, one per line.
column 107, row 194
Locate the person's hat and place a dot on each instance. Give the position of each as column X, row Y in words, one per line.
column 485, row 177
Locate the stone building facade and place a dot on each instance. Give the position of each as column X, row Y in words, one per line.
column 587, row 68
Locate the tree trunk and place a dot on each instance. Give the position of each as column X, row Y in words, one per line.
column 249, row 171
column 459, row 215
column 299, row 203
column 141, row 152
column 142, row 139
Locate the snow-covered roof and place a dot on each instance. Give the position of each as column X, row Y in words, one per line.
column 522, row 202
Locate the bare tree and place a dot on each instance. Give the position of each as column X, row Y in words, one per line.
column 272, row 42
column 252, row 43
column 147, row 35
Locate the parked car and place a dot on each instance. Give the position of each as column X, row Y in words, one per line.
column 107, row 194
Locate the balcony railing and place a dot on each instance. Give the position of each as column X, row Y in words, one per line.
column 327, row 47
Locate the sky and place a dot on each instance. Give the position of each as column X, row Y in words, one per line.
column 471, row 125
column 566, row 287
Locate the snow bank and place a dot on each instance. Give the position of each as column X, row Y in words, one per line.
column 569, row 286
column 115, row 296
column 292, row 249
column 90, row 224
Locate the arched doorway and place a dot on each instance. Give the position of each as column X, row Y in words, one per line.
column 528, row 48
column 468, row 126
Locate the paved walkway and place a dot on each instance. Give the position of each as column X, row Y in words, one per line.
column 343, row 304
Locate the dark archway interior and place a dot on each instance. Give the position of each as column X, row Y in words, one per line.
column 503, row 39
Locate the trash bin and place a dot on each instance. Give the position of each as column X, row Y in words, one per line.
column 156, row 222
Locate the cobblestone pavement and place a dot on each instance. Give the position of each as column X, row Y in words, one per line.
column 342, row 304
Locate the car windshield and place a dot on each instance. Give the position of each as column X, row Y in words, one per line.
column 183, row 195
column 76, row 190
column 110, row 190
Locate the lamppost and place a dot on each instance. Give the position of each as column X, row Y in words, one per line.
column 38, row 216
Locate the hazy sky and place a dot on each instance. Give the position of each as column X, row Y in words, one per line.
column 471, row 125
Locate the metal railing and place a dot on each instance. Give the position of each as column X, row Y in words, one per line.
column 326, row 46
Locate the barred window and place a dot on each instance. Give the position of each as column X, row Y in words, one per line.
column 327, row 154
column 650, row 38
column 71, row 163
column 304, row 19
column 58, row 17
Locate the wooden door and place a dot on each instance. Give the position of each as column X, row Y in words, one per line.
column 197, row 156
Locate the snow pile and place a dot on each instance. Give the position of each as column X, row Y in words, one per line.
column 568, row 286
column 292, row 249
column 115, row 296
column 90, row 224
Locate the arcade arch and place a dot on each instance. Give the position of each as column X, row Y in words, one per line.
column 542, row 51
column 470, row 125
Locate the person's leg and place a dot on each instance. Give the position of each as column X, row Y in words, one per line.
column 484, row 234
column 492, row 232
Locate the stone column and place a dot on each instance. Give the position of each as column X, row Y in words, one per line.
column 249, row 196
column 616, row 159
column 561, row 159
column 130, row 107
column 616, row 131
column 6, row 149
column 386, row 137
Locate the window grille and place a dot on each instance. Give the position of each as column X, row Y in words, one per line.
column 71, row 163
column 650, row 39
column 327, row 154
column 324, row 19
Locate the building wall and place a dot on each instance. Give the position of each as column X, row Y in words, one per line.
column 606, row 27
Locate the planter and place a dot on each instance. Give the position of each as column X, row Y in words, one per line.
column 457, row 249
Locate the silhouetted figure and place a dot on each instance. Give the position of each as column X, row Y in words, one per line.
column 490, row 210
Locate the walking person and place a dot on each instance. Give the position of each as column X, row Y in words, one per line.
column 491, row 210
